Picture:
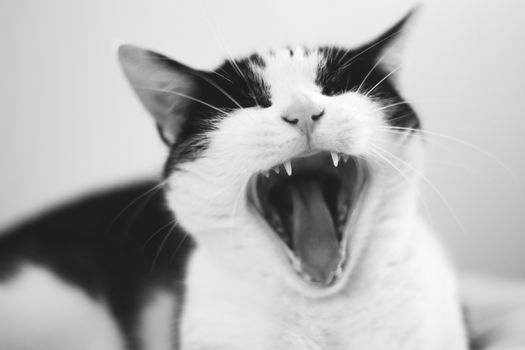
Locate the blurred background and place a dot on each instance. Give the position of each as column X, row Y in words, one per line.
column 70, row 124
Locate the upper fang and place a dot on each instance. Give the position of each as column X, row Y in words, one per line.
column 335, row 158
column 288, row 167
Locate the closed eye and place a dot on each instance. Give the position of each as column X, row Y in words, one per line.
column 261, row 100
column 264, row 102
column 336, row 83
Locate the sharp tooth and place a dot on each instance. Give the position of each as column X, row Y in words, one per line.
column 276, row 169
column 266, row 173
column 288, row 167
column 335, row 158
column 345, row 157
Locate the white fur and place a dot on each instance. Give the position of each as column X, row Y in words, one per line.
column 157, row 322
column 39, row 311
column 397, row 292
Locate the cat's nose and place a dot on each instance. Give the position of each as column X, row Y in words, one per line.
column 303, row 115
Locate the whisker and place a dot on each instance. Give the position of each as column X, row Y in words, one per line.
column 182, row 95
column 412, row 102
column 164, row 240
column 218, row 39
column 390, row 106
column 179, row 245
column 460, row 164
column 391, row 120
column 370, row 72
column 420, row 197
column 212, row 83
column 149, row 193
column 429, row 183
column 375, row 149
column 171, row 222
column 238, row 69
column 382, row 80
column 482, row 151
column 352, row 60
column 223, row 76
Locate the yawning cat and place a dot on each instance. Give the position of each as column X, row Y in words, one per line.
column 287, row 219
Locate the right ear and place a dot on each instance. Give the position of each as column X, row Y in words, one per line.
column 164, row 87
column 388, row 46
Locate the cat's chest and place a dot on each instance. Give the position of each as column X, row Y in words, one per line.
column 349, row 324
column 222, row 314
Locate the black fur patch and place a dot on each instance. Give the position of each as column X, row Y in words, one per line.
column 233, row 85
column 118, row 246
column 343, row 70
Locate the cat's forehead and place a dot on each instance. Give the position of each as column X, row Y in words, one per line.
column 288, row 60
column 289, row 66
column 263, row 77
column 279, row 69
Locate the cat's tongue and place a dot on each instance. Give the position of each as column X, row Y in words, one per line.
column 314, row 235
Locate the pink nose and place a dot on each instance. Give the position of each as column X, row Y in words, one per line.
column 304, row 114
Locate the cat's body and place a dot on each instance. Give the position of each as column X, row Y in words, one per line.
column 328, row 252
column 102, row 248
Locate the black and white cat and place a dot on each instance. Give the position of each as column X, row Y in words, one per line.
column 287, row 218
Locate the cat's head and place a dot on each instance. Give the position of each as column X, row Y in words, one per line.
column 277, row 159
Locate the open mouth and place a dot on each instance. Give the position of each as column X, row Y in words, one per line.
column 308, row 201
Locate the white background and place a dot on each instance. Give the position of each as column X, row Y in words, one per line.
column 70, row 124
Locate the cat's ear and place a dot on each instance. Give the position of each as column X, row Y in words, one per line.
column 163, row 85
column 387, row 47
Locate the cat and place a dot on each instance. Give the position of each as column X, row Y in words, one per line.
column 286, row 218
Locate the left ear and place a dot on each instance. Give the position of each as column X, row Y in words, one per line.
column 388, row 46
column 164, row 86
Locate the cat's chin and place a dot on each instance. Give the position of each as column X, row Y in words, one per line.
column 309, row 203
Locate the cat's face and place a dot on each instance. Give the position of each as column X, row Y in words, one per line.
column 274, row 157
